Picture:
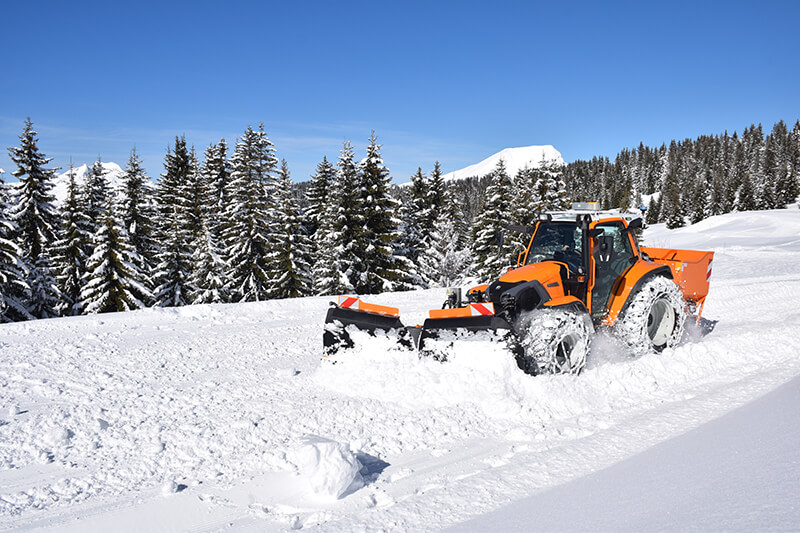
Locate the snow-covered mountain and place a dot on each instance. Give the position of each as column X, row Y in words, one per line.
column 211, row 417
column 113, row 174
column 514, row 159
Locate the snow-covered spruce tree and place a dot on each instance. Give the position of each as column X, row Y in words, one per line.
column 526, row 203
column 289, row 258
column 383, row 269
column 437, row 195
column 113, row 281
column 35, row 217
column 138, row 216
column 318, row 192
column 216, row 171
column 208, row 280
column 13, row 287
column 489, row 257
column 72, row 248
column 174, row 258
column 96, row 196
column 416, row 215
column 195, row 193
column 552, row 191
column 445, row 262
column 745, row 198
column 340, row 228
column 248, row 216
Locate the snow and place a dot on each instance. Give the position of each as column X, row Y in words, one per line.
column 113, row 174
column 514, row 160
column 217, row 417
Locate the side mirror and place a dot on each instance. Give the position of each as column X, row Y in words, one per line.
column 605, row 248
column 636, row 223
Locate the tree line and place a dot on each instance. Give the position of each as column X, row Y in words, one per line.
column 233, row 227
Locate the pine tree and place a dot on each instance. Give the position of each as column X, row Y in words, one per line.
column 35, row 217
column 208, row 280
column 382, row 269
column 318, row 192
column 745, row 199
column 417, row 226
column 338, row 256
column 13, row 285
column 138, row 216
column 445, row 262
column 550, row 188
column 174, row 259
column 489, row 257
column 289, row 258
column 248, row 216
column 96, row 196
column 72, row 248
column 113, row 281
column 526, row 203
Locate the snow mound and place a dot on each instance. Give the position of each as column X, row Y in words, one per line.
column 330, row 468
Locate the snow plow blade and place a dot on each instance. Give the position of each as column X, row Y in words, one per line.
column 446, row 328
column 371, row 318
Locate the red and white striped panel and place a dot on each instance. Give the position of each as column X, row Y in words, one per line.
column 349, row 302
column 486, row 309
column 708, row 273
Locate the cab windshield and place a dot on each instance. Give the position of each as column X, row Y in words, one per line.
column 557, row 241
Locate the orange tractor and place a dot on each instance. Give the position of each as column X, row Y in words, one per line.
column 579, row 272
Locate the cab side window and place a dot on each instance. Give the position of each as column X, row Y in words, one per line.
column 608, row 272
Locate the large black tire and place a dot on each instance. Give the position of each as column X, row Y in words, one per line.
column 553, row 341
column 654, row 319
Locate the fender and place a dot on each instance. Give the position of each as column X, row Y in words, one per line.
column 573, row 305
column 627, row 286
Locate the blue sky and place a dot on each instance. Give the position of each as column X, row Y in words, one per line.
column 453, row 81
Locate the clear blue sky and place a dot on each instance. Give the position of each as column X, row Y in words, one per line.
column 453, row 81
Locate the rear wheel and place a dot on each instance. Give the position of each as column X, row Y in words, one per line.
column 553, row 342
column 654, row 319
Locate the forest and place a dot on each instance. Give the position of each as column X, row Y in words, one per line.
column 232, row 226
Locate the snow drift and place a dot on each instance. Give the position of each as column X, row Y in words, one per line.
column 218, row 416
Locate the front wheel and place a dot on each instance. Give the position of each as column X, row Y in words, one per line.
column 553, row 341
column 654, row 319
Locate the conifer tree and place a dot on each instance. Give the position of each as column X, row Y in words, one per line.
column 13, row 285
column 318, row 192
column 381, row 270
column 35, row 217
column 745, row 200
column 338, row 256
column 444, row 262
column 138, row 216
column 417, row 217
column 526, row 201
column 208, row 280
column 96, row 196
column 551, row 190
column 72, row 248
column 489, row 256
column 113, row 281
column 174, row 259
column 248, row 216
column 289, row 257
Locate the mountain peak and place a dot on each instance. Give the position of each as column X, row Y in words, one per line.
column 515, row 159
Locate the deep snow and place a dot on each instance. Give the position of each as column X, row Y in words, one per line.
column 224, row 416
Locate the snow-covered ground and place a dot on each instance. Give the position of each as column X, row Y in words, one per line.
column 224, row 417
